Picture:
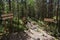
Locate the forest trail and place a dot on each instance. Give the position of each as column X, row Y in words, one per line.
column 33, row 33
column 36, row 33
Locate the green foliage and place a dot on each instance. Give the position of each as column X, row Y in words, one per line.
column 1, row 29
column 30, row 2
column 19, row 24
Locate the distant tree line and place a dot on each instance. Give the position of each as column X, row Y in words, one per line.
column 36, row 9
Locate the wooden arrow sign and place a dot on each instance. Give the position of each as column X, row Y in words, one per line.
column 7, row 16
column 48, row 19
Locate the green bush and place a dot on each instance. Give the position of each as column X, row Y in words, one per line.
column 1, row 29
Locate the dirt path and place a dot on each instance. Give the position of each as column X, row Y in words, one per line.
column 36, row 33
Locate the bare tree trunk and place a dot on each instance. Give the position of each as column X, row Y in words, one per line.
column 57, row 11
column 44, row 9
column 9, row 5
column 50, row 9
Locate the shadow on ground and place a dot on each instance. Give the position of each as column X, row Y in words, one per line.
column 15, row 36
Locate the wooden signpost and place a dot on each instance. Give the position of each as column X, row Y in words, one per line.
column 48, row 19
column 5, row 17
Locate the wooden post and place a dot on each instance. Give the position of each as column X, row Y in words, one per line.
column 10, row 25
column 4, row 24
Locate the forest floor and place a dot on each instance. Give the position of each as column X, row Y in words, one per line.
column 33, row 33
